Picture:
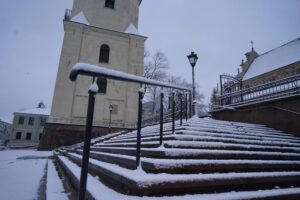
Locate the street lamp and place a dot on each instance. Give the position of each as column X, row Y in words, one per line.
column 110, row 111
column 193, row 60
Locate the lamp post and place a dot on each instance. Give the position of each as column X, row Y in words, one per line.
column 110, row 111
column 193, row 60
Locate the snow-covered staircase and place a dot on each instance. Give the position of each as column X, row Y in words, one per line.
column 203, row 156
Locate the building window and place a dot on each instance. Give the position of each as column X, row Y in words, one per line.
column 43, row 121
column 31, row 121
column 102, row 84
column 18, row 135
column 110, row 4
column 298, row 71
column 104, row 54
column 40, row 136
column 21, row 120
column 28, row 136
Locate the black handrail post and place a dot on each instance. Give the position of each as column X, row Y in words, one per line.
column 186, row 107
column 87, row 143
column 173, row 112
column 181, row 107
column 161, row 117
column 139, row 127
column 190, row 97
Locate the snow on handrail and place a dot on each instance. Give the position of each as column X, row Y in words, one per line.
column 99, row 71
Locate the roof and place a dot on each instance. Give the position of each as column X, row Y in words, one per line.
column 80, row 18
column 276, row 58
column 36, row 111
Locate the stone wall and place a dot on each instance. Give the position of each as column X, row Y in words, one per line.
column 280, row 114
column 57, row 135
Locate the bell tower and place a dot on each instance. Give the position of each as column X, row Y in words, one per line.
column 103, row 33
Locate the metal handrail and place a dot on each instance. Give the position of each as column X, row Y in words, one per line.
column 98, row 71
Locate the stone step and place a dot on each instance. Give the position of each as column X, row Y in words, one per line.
column 232, row 136
column 173, row 166
column 140, row 183
column 166, row 136
column 199, row 154
column 227, row 146
column 182, row 136
column 279, row 136
column 129, row 144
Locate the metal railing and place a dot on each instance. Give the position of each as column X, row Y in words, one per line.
column 97, row 71
column 269, row 91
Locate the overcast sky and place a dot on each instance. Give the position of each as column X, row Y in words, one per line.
column 219, row 31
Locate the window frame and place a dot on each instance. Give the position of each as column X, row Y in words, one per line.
column 28, row 136
column 102, row 85
column 18, row 135
column 104, row 54
column 21, row 120
column 110, row 4
column 31, row 121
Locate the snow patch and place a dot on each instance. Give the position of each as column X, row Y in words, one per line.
column 80, row 18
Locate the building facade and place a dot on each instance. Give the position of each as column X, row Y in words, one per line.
column 5, row 131
column 103, row 33
column 28, row 125
column 276, row 64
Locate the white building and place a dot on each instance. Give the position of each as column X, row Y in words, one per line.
column 5, row 130
column 28, row 125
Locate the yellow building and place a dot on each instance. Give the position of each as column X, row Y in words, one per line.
column 103, row 33
column 278, row 63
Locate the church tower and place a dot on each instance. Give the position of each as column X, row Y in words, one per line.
column 103, row 33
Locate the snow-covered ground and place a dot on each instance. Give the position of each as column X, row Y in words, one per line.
column 22, row 173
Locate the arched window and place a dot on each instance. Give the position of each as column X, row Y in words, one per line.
column 102, row 84
column 110, row 4
column 104, row 54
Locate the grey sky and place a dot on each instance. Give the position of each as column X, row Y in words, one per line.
column 218, row 31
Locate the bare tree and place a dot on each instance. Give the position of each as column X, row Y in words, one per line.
column 155, row 68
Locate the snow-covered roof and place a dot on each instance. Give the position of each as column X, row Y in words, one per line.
column 35, row 111
column 284, row 55
column 80, row 18
column 131, row 29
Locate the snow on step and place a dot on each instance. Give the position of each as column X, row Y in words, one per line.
column 250, row 138
column 145, row 180
column 197, row 152
column 194, row 128
column 209, row 137
column 216, row 145
column 100, row 191
column 55, row 189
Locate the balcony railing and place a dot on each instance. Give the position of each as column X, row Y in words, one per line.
column 282, row 88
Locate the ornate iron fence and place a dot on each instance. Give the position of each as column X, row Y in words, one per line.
column 282, row 88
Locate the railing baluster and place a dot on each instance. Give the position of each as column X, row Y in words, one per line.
column 139, row 127
column 186, row 107
column 87, row 143
column 181, row 107
column 173, row 112
column 161, row 117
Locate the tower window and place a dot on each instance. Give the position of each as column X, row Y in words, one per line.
column 104, row 54
column 102, row 84
column 110, row 4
